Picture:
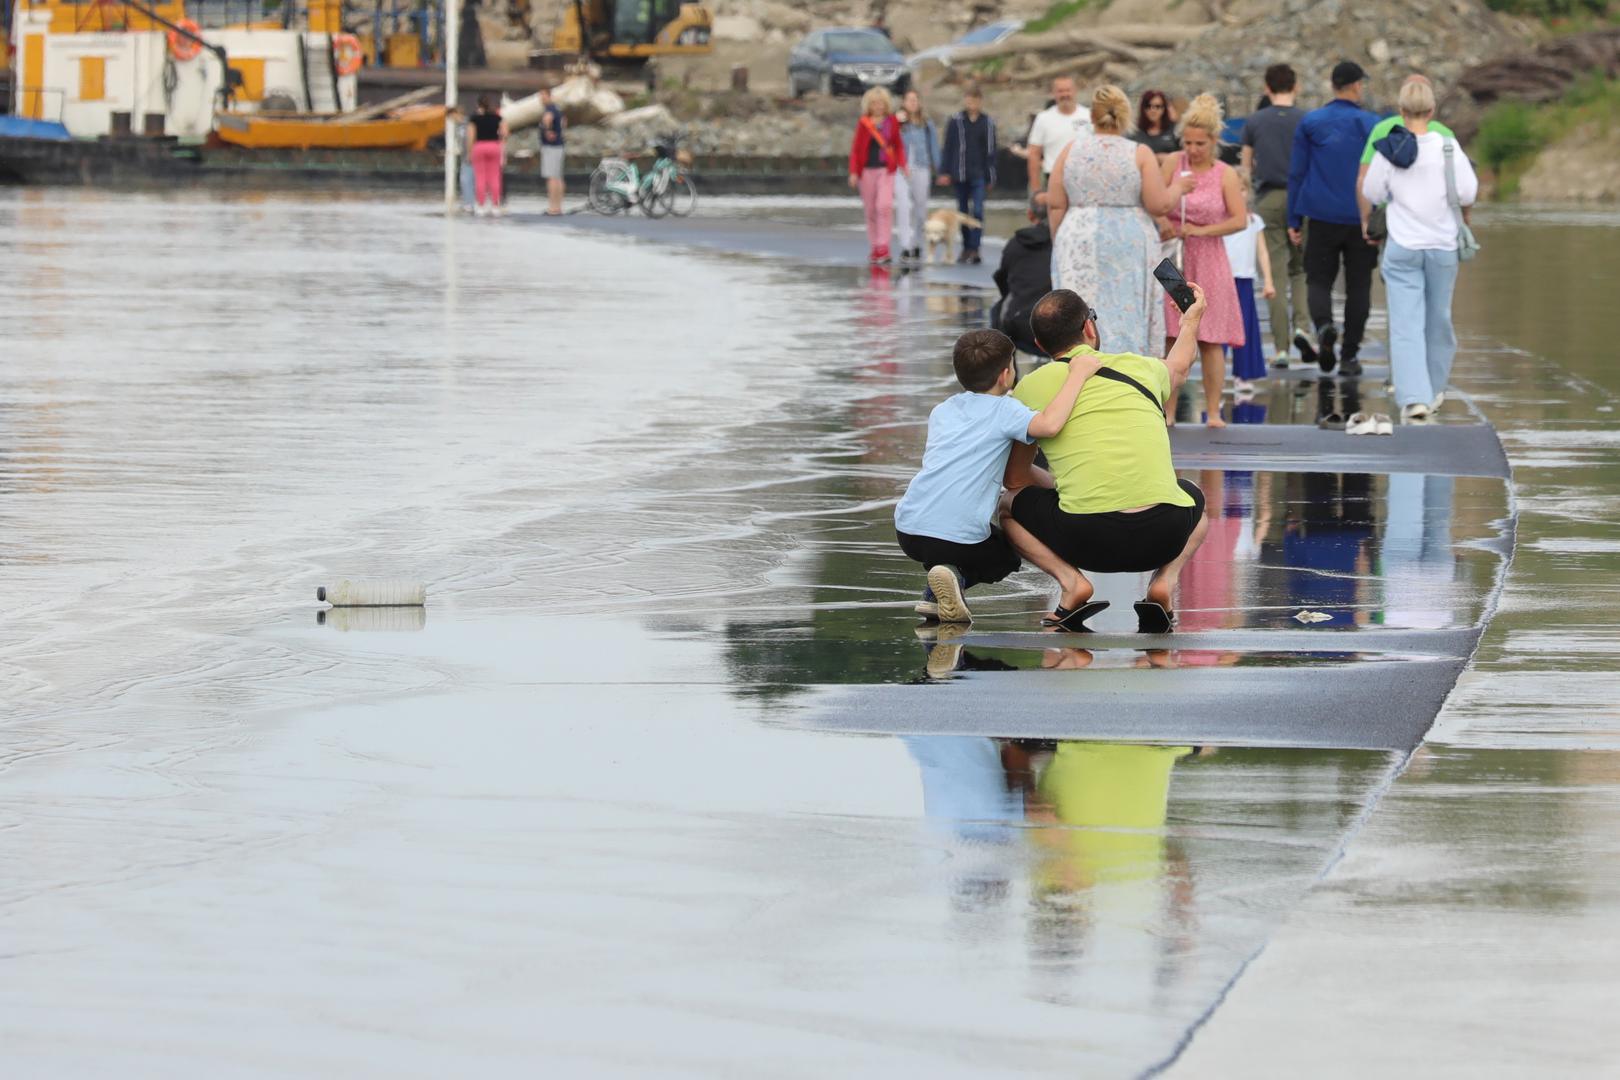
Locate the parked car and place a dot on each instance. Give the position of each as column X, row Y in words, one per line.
column 846, row 61
column 988, row 34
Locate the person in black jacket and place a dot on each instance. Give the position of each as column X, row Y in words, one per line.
column 1024, row 276
column 969, row 162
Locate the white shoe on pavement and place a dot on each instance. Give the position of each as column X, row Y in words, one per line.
column 1415, row 413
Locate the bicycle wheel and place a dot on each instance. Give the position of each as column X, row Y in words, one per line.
column 606, row 191
column 681, row 195
column 654, row 190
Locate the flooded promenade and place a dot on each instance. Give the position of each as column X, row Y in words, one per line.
column 664, row 782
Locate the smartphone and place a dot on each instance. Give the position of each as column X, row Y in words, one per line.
column 1174, row 284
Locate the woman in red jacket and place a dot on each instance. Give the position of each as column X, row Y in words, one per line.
column 873, row 158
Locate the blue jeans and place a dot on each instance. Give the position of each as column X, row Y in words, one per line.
column 970, row 201
column 1422, row 343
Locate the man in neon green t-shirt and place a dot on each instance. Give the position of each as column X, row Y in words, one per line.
column 1112, row 502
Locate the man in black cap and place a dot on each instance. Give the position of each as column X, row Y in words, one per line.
column 1322, row 190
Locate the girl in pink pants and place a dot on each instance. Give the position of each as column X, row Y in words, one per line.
column 874, row 156
column 488, row 153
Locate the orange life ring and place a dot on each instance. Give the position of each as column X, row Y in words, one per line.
column 347, row 54
column 182, row 47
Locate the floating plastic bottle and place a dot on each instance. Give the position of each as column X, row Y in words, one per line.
column 374, row 594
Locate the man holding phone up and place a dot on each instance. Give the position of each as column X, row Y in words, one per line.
column 1112, row 502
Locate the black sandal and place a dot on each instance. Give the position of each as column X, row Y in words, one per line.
column 1073, row 619
column 1154, row 618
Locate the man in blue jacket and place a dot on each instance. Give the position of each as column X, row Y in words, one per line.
column 969, row 162
column 1322, row 191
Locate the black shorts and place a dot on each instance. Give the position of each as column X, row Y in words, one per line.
column 1111, row 543
column 991, row 559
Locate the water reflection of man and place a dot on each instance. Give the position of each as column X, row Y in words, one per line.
column 1108, row 881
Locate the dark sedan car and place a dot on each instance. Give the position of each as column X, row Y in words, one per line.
column 846, row 62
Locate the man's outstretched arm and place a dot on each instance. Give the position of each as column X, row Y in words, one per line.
column 1185, row 350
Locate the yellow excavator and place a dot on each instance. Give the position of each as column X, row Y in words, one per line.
column 633, row 30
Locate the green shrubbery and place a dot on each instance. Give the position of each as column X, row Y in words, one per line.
column 1550, row 9
column 1511, row 133
column 1055, row 14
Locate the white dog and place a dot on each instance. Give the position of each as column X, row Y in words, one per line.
column 940, row 231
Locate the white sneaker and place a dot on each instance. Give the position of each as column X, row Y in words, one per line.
column 1383, row 424
column 1242, row 386
column 1361, row 424
column 948, row 595
column 1415, row 413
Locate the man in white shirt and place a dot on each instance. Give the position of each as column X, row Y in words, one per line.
column 1054, row 129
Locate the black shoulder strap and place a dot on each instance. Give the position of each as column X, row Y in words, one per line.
column 1120, row 376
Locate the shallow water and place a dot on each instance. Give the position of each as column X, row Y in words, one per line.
column 599, row 807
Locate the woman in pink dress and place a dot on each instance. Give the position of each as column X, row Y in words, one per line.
column 1215, row 208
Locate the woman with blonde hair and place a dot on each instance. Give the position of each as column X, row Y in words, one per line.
column 1426, row 179
column 875, row 154
column 920, row 140
column 1214, row 207
column 1104, row 192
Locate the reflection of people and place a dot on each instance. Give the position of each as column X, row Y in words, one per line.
column 1418, row 560
column 1112, row 502
column 965, row 786
column 1024, row 276
column 1326, row 550
column 944, row 518
column 1104, row 189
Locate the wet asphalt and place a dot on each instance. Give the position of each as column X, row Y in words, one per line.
column 664, row 779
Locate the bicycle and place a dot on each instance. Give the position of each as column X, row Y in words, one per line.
column 665, row 188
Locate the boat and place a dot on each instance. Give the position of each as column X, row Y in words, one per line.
column 166, row 67
column 409, row 128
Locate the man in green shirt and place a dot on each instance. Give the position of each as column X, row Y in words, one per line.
column 1111, row 503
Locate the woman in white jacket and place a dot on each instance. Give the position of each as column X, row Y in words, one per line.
column 1420, row 253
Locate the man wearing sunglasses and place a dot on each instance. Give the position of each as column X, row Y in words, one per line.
column 1112, row 502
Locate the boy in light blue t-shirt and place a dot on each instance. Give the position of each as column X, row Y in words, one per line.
column 944, row 520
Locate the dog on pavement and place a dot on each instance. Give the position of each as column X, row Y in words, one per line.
column 941, row 228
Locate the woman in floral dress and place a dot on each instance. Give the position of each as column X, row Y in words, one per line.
column 1104, row 192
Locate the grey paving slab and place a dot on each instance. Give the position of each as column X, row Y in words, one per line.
column 1456, row 643
column 1364, row 705
column 1435, row 449
column 799, row 243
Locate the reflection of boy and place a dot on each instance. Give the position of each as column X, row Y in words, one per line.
column 944, row 519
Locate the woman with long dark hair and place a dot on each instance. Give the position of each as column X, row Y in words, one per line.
column 1155, row 129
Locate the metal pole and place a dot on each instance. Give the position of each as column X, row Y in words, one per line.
column 452, row 45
